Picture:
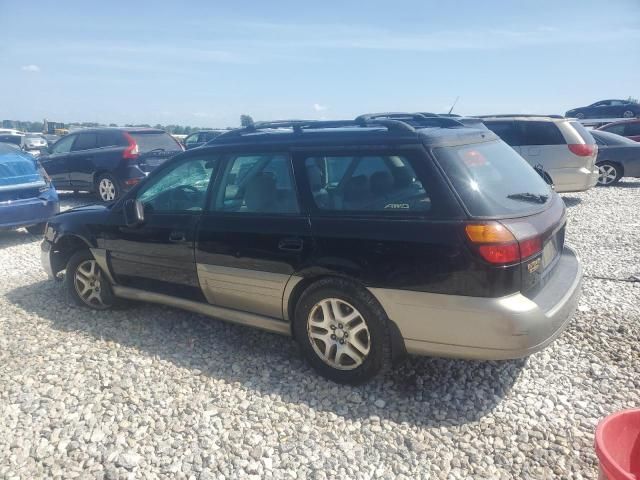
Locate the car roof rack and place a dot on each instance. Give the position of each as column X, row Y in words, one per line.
column 505, row 115
column 418, row 119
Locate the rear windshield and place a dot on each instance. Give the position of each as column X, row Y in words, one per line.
column 155, row 141
column 493, row 180
column 16, row 168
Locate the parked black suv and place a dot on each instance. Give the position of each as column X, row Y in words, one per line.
column 107, row 161
column 362, row 239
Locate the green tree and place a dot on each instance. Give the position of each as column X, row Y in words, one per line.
column 633, row 100
column 246, row 120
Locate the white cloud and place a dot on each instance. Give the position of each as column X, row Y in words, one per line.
column 30, row 68
column 319, row 108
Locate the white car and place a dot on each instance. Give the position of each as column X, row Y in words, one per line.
column 562, row 146
column 34, row 142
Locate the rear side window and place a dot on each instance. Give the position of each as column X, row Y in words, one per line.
column 540, row 133
column 366, row 184
column 111, row 139
column 617, row 129
column 148, row 141
column 632, row 129
column 257, row 183
column 85, row 141
column 507, row 131
column 493, row 180
column 584, row 134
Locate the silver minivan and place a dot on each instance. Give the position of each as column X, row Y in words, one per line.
column 564, row 148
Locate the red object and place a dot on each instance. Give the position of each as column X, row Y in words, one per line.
column 630, row 128
column 530, row 247
column 505, row 253
column 583, row 149
column 618, row 445
column 131, row 152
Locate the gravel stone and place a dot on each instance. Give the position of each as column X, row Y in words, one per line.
column 153, row 392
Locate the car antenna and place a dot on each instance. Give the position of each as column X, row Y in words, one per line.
column 454, row 104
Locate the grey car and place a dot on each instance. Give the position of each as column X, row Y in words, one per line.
column 34, row 142
column 618, row 157
column 563, row 147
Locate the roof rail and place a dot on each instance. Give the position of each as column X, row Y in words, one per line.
column 298, row 126
column 505, row 115
column 419, row 119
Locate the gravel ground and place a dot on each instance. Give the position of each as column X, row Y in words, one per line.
column 153, row 392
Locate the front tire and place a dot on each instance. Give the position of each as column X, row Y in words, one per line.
column 107, row 188
column 86, row 283
column 609, row 174
column 342, row 331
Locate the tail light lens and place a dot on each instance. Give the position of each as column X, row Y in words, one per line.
column 583, row 149
column 497, row 245
column 131, row 152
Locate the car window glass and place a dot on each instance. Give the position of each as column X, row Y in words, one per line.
column 507, row 131
column 111, row 139
column 191, row 139
column 64, row 144
column 182, row 187
column 85, row 141
column 540, row 133
column 373, row 183
column 617, row 129
column 617, row 102
column 632, row 129
column 257, row 183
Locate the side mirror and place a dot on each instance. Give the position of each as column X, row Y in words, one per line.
column 133, row 213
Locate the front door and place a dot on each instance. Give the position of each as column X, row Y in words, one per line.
column 158, row 255
column 56, row 163
column 254, row 236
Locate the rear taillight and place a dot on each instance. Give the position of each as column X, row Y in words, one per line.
column 131, row 152
column 583, row 149
column 497, row 245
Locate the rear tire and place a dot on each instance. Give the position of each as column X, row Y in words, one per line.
column 609, row 174
column 86, row 284
column 628, row 114
column 107, row 188
column 37, row 229
column 343, row 331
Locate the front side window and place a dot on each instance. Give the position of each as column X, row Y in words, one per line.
column 257, row 183
column 362, row 183
column 617, row 129
column 64, row 144
column 507, row 131
column 191, row 139
column 181, row 187
column 632, row 129
column 85, row 141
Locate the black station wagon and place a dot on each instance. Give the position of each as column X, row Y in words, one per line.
column 363, row 239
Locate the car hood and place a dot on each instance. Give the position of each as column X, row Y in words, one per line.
column 87, row 208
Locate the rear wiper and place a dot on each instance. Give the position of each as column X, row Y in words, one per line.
column 529, row 197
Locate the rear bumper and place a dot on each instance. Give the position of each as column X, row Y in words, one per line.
column 576, row 179
column 513, row 326
column 22, row 213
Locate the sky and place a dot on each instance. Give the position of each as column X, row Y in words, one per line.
column 207, row 62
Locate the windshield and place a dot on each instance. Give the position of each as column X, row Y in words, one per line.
column 17, row 168
column 155, row 141
column 493, row 180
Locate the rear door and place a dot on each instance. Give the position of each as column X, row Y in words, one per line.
column 542, row 143
column 56, row 163
column 158, row 255
column 254, row 236
column 508, row 131
column 81, row 161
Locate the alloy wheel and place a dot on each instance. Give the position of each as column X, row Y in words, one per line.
column 628, row 114
column 88, row 283
column 607, row 174
column 339, row 334
column 107, row 189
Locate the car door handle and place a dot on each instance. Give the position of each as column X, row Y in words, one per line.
column 291, row 244
column 177, row 237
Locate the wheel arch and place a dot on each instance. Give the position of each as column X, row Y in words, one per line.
column 292, row 296
column 616, row 163
column 65, row 246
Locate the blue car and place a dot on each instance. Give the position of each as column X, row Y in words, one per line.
column 27, row 196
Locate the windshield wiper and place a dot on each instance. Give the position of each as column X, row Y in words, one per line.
column 529, row 197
